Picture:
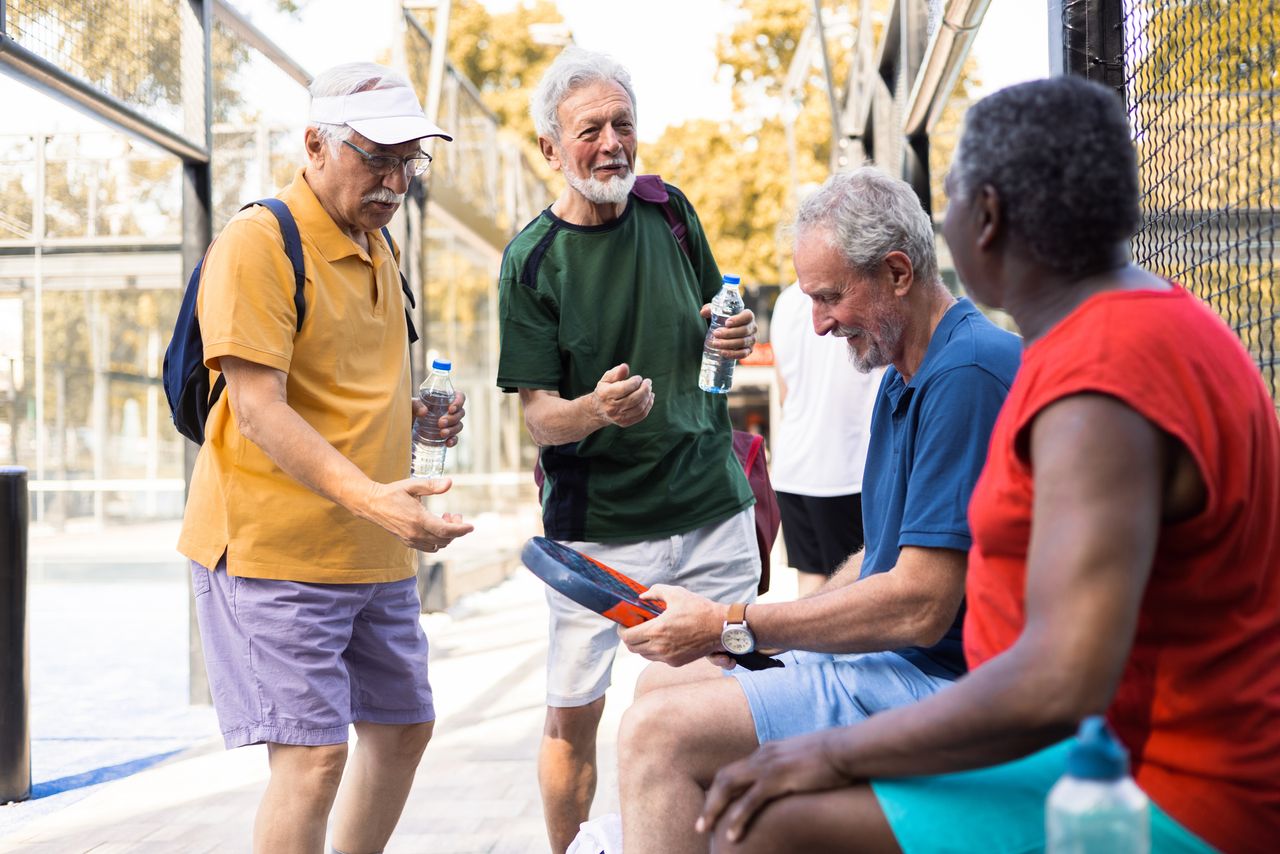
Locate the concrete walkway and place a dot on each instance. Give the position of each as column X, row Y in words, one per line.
column 476, row 790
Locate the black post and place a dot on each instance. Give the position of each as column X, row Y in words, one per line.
column 197, row 234
column 1092, row 40
column 15, row 725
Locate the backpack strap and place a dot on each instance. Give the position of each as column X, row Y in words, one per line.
column 404, row 286
column 292, row 248
column 652, row 189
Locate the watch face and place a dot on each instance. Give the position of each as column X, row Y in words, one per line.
column 737, row 639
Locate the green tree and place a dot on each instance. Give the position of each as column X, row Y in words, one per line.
column 738, row 174
column 498, row 54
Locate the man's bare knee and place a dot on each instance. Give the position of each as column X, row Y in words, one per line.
column 317, row 770
column 574, row 724
column 690, row 728
column 394, row 743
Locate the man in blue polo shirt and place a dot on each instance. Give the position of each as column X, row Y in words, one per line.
column 885, row 630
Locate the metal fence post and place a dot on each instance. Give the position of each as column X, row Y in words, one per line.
column 15, row 725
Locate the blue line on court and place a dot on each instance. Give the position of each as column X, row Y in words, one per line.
column 97, row 775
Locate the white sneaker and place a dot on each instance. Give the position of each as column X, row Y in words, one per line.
column 601, row 835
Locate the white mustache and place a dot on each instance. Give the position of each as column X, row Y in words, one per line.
column 848, row 331
column 382, row 194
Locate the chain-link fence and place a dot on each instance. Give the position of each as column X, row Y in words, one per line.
column 1200, row 80
column 146, row 54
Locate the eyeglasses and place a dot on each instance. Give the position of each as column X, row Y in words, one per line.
column 385, row 164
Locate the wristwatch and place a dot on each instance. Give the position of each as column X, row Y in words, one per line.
column 736, row 635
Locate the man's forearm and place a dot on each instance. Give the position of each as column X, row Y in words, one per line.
column 1012, row 706
column 862, row 617
column 303, row 454
column 556, row 421
column 912, row 604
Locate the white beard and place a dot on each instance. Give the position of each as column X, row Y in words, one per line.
column 613, row 191
column 891, row 330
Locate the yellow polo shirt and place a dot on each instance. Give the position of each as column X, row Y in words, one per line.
column 348, row 377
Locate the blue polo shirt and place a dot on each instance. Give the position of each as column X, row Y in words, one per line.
column 929, row 442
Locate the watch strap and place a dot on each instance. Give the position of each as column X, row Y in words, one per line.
column 737, row 613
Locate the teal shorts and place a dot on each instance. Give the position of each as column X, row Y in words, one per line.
column 997, row 810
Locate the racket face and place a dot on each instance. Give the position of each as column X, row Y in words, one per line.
column 589, row 582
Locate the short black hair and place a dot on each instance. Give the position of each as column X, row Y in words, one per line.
column 1059, row 154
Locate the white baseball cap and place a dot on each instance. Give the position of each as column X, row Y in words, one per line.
column 385, row 116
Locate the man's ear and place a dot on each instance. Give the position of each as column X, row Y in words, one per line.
column 901, row 273
column 989, row 210
column 550, row 152
column 317, row 149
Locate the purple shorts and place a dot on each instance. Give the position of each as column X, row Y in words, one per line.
column 297, row 663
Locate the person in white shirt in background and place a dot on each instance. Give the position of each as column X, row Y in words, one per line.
column 821, row 443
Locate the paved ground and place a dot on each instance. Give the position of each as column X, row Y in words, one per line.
column 122, row 764
column 475, row 792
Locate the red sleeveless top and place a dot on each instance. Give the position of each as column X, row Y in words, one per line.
column 1198, row 705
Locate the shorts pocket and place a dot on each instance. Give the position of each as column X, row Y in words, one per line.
column 200, row 582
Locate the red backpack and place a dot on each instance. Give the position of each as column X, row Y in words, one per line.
column 749, row 448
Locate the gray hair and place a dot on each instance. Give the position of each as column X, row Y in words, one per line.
column 867, row 214
column 573, row 69
column 348, row 79
column 1059, row 155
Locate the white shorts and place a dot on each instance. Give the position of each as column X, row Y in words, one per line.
column 720, row 561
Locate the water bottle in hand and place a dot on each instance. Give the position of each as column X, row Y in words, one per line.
column 436, row 392
column 716, row 375
column 1096, row 807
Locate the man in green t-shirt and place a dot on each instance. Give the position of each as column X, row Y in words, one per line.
column 603, row 316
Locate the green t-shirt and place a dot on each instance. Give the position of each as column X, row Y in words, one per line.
column 574, row 301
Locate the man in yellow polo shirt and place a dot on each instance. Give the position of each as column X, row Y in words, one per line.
column 300, row 523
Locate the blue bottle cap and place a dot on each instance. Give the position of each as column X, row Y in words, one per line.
column 441, row 365
column 1096, row 755
column 731, row 280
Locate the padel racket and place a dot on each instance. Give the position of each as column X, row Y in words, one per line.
column 604, row 590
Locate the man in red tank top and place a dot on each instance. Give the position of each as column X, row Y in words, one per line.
column 1126, row 558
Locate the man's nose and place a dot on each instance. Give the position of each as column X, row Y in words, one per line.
column 823, row 322
column 397, row 181
column 609, row 139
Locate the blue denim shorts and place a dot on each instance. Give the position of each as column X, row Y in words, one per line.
column 297, row 663
column 817, row 690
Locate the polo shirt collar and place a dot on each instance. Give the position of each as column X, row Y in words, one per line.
column 900, row 392
column 314, row 221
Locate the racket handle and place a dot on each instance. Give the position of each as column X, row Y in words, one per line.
column 756, row 661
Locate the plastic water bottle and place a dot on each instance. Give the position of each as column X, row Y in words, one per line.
column 716, row 375
column 1096, row 807
column 436, row 392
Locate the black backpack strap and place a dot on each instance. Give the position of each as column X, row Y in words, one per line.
column 292, row 248
column 404, row 286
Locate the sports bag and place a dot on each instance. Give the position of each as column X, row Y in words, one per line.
column 185, row 377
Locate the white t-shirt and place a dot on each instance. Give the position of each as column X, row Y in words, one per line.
column 821, row 445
